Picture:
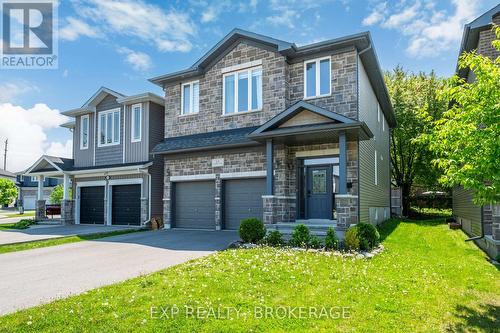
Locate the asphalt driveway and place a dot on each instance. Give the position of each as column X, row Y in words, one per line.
column 29, row 278
column 38, row 232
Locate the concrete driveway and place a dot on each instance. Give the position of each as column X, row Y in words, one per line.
column 29, row 278
column 38, row 232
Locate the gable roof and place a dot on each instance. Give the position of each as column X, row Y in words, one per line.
column 90, row 104
column 362, row 42
column 55, row 164
column 470, row 37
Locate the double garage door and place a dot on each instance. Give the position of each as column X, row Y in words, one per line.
column 195, row 203
column 125, row 205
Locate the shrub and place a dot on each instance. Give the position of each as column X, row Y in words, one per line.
column 23, row 224
column 368, row 236
column 274, row 238
column 300, row 236
column 331, row 240
column 252, row 230
column 315, row 243
column 352, row 238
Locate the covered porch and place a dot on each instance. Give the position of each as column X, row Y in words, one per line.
column 312, row 166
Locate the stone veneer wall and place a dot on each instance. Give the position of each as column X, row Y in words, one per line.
column 484, row 46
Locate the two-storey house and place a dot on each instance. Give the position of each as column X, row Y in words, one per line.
column 482, row 223
column 259, row 127
column 113, row 176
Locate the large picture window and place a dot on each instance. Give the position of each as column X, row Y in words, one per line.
column 109, row 128
column 243, row 91
column 84, row 132
column 190, row 98
column 136, row 122
column 317, row 78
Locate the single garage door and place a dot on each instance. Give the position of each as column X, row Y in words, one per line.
column 29, row 202
column 194, row 205
column 92, row 205
column 242, row 199
column 126, row 203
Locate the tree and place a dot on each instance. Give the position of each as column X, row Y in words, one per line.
column 57, row 194
column 416, row 105
column 8, row 191
column 467, row 139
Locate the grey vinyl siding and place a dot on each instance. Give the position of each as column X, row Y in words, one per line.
column 110, row 154
column 465, row 210
column 83, row 157
column 372, row 197
column 137, row 151
column 156, row 171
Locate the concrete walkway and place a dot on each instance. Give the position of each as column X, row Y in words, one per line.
column 39, row 232
column 29, row 278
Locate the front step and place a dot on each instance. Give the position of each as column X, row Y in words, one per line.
column 49, row 222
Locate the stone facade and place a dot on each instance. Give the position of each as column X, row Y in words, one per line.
column 347, row 210
column 484, row 46
column 40, row 210
column 67, row 212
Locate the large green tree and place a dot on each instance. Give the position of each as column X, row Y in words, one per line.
column 57, row 194
column 8, row 191
column 467, row 139
column 416, row 105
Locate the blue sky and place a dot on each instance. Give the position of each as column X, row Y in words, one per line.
column 120, row 44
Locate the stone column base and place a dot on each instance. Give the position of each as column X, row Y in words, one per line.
column 67, row 212
column 347, row 209
column 278, row 209
column 40, row 210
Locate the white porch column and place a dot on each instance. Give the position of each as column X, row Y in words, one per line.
column 66, row 187
column 40, row 187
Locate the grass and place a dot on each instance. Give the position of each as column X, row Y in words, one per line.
column 427, row 280
column 59, row 241
column 26, row 214
column 428, row 213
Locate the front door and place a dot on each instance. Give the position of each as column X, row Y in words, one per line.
column 319, row 192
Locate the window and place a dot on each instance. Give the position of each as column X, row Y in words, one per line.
column 136, row 122
column 317, row 78
column 378, row 113
column 242, row 91
column 84, row 132
column 376, row 169
column 190, row 97
column 109, row 128
column 34, row 178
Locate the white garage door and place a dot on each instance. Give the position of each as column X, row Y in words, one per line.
column 29, row 202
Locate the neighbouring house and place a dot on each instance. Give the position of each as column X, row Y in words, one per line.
column 28, row 190
column 114, row 178
column 480, row 222
column 7, row 175
column 259, row 127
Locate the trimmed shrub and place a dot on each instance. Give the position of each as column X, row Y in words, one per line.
column 23, row 224
column 352, row 239
column 274, row 238
column 368, row 236
column 315, row 243
column 252, row 230
column 300, row 236
column 331, row 240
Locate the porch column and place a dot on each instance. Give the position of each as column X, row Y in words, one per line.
column 67, row 204
column 342, row 163
column 40, row 203
column 269, row 200
column 269, row 167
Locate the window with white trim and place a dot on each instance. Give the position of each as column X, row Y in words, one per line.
column 34, row 178
column 317, row 78
column 242, row 91
column 190, row 100
column 136, row 124
column 84, row 132
column 109, row 128
column 376, row 169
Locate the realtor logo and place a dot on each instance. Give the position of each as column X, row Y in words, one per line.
column 28, row 34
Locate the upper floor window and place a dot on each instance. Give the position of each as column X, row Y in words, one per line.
column 242, row 91
column 190, row 97
column 34, row 178
column 84, row 132
column 109, row 128
column 136, row 122
column 317, row 78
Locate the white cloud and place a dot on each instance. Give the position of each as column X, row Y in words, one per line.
column 9, row 91
column 167, row 30
column 26, row 131
column 76, row 28
column 60, row 149
column 138, row 60
column 430, row 31
column 209, row 15
column 286, row 17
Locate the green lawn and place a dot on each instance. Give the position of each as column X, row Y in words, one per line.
column 27, row 214
column 59, row 241
column 427, row 280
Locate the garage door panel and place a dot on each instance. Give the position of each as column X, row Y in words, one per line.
column 242, row 199
column 92, row 205
column 126, row 204
column 194, row 205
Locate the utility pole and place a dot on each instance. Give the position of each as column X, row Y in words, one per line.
column 5, row 155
